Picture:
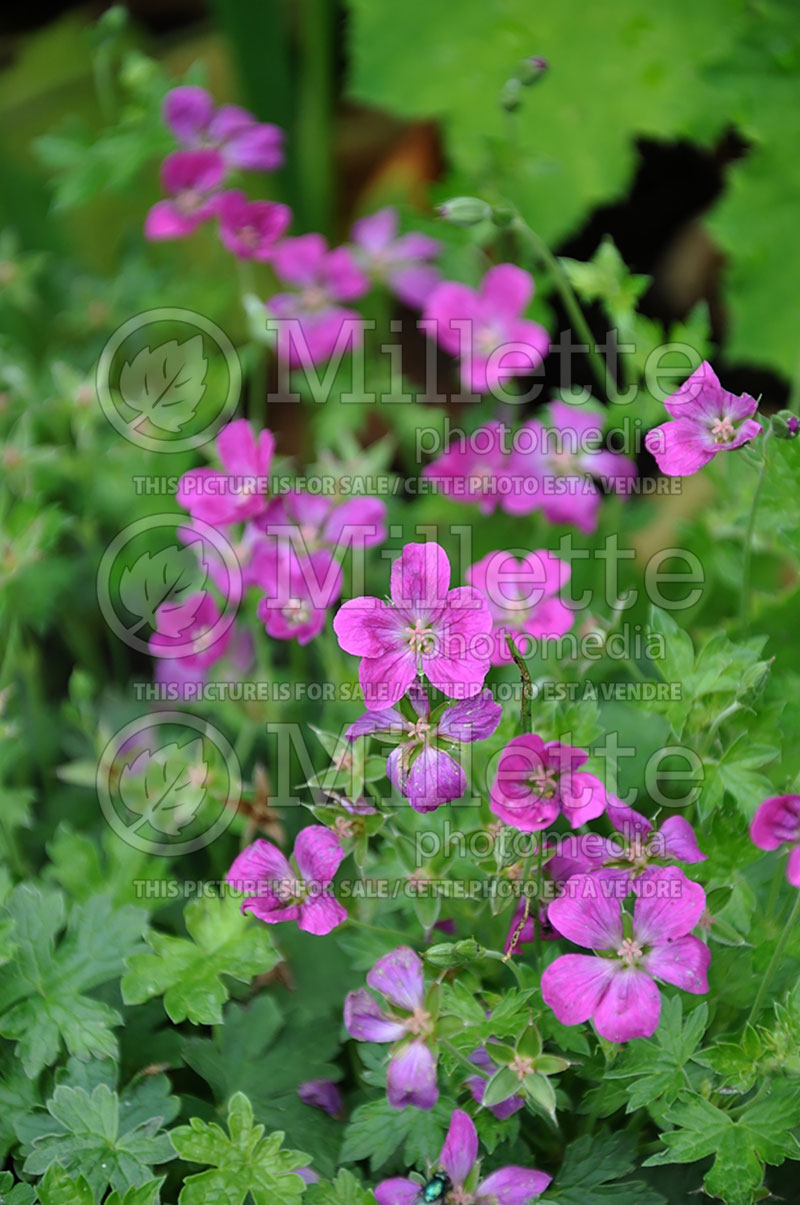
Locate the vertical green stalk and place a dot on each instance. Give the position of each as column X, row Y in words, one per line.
column 774, row 962
column 550, row 263
column 527, row 685
column 744, row 602
column 315, row 101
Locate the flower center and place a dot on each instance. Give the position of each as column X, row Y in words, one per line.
column 314, row 298
column 420, row 730
column 723, row 431
column 419, row 1023
column 189, row 200
column 563, row 463
column 542, row 782
column 296, row 612
column 481, row 478
column 249, row 236
column 421, row 639
column 630, row 951
column 521, row 1066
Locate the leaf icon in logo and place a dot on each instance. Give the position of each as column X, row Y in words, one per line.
column 165, row 384
column 168, row 576
column 166, row 787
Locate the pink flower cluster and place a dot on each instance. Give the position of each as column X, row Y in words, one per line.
column 548, row 468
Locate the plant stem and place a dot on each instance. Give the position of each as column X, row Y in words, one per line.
column 363, row 924
column 744, row 606
column 527, row 685
column 461, row 1058
column 496, row 956
column 552, row 266
column 774, row 961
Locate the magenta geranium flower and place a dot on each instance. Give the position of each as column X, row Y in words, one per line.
column 706, row 419
column 322, row 280
column 237, row 492
column 401, row 263
column 276, row 892
column 509, row 1185
column 552, row 468
column 311, row 521
column 192, row 629
column 777, row 822
column 535, row 782
column 523, row 598
column 427, row 628
column 192, row 178
column 616, row 985
column 194, row 119
column 398, row 976
column 298, row 591
column 484, row 327
column 637, row 849
column 422, row 767
column 473, row 468
column 250, row 229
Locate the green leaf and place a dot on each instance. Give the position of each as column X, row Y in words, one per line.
column 244, row 1162
column 376, row 1132
column 166, row 384
column 593, row 1172
column 86, row 1134
column 60, row 1188
column 344, row 1190
column 188, row 972
column 42, row 995
column 250, row 1056
column 20, row 1194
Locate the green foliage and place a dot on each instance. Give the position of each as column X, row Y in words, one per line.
column 377, row 1132
column 242, row 1162
column 187, row 972
column 43, row 1000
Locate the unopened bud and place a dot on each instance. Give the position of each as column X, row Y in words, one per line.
column 785, row 425
column 511, row 95
column 465, row 211
column 448, row 955
column 531, row 70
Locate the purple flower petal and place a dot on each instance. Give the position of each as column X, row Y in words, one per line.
column 398, row 977
column 322, row 1094
column 460, row 1148
column 376, row 231
column 388, row 719
column 420, row 578
column 259, row 863
column 187, row 112
column 582, row 797
column 669, row 905
column 682, row 962
column 365, row 627
column 398, row 1191
column 365, row 1020
column 411, row 1078
column 512, row 1186
column 793, row 867
column 318, row 854
column 472, row 719
column 433, row 777
column 776, row 821
column 629, row 1008
column 679, row 840
column 586, row 915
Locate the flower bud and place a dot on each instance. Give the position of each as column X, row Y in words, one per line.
column 465, row 211
column 448, row 955
column 785, row 425
column 511, row 95
column 531, row 70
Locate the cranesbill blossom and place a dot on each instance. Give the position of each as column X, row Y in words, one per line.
column 297, row 591
column 422, row 766
column 508, row 1186
column 473, row 468
column 194, row 119
column 537, row 781
column 308, row 522
column 184, row 675
column 477, row 1086
column 275, row 891
column 705, row 420
column 522, row 598
column 322, row 1094
column 250, row 229
column 427, row 628
column 322, row 279
column 616, row 985
column 239, row 490
column 400, row 262
column 777, row 822
column 484, row 327
column 398, row 976
column 551, row 468
column 638, row 848
column 193, row 179
column 192, row 629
